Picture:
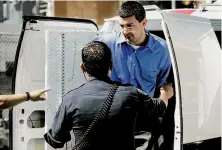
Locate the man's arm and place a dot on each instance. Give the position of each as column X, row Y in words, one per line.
column 164, row 68
column 59, row 133
column 7, row 101
column 151, row 106
column 156, row 106
column 109, row 39
column 106, row 37
column 114, row 76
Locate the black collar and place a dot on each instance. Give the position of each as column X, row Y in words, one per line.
column 101, row 78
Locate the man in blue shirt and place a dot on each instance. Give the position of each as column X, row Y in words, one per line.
column 140, row 58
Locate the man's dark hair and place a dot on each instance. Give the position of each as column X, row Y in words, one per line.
column 132, row 8
column 96, row 57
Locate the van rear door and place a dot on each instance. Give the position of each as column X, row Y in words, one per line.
column 27, row 120
column 197, row 64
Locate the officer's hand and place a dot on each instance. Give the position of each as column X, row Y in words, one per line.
column 38, row 94
column 167, row 90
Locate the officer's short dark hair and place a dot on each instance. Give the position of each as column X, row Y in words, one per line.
column 96, row 57
column 132, row 8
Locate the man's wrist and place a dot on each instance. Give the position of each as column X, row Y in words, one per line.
column 164, row 99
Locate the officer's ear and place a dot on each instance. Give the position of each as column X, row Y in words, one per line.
column 82, row 67
column 111, row 65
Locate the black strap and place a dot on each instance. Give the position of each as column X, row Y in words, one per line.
column 103, row 113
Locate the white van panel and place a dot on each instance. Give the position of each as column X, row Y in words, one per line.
column 63, row 72
column 30, row 76
column 198, row 56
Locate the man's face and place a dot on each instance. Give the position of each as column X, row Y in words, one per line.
column 132, row 28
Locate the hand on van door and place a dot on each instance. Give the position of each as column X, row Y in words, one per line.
column 38, row 94
column 166, row 92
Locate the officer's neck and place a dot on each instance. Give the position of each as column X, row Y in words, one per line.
column 102, row 77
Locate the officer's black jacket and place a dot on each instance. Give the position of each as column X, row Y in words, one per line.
column 80, row 106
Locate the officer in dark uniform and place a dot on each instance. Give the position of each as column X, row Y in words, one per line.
column 80, row 106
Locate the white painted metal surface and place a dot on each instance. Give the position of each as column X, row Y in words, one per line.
column 198, row 56
column 63, row 71
column 30, row 76
column 177, row 114
column 213, row 12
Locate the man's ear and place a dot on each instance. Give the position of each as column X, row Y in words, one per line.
column 82, row 67
column 144, row 22
column 111, row 65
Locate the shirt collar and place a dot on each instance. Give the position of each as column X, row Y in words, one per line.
column 121, row 39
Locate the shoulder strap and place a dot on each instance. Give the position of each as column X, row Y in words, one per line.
column 103, row 113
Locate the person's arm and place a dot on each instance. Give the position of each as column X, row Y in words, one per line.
column 7, row 101
column 104, row 37
column 164, row 68
column 109, row 39
column 59, row 133
column 156, row 106
column 114, row 76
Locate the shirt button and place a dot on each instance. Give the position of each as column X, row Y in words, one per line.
column 134, row 64
column 133, row 77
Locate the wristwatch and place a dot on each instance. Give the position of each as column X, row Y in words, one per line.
column 27, row 95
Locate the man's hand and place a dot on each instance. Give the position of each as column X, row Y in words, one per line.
column 166, row 92
column 38, row 94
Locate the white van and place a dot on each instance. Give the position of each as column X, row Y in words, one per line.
column 214, row 13
column 48, row 55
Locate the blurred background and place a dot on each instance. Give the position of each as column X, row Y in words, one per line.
column 11, row 11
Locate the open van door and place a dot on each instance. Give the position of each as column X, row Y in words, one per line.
column 27, row 120
column 196, row 59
